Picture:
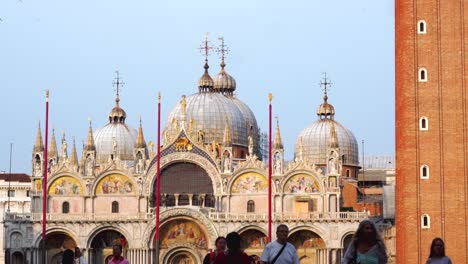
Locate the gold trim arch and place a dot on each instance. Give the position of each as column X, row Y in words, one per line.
column 118, row 183
column 57, row 177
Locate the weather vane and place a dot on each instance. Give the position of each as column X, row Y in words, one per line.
column 326, row 83
column 118, row 83
column 205, row 47
column 223, row 50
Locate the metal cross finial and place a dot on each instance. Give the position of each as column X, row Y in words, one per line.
column 223, row 50
column 205, row 47
column 326, row 83
column 118, row 83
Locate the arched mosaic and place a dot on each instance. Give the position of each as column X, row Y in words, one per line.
column 183, row 231
column 302, row 183
column 250, row 182
column 115, row 184
column 65, row 185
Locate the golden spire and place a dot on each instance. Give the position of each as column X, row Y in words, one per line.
column 53, row 146
column 205, row 84
column 140, row 141
column 278, row 143
column 227, row 134
column 333, row 137
column 74, row 155
column 90, row 141
column 39, row 146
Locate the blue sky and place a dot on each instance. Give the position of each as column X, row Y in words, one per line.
column 74, row 47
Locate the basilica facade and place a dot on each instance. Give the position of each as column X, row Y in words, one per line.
column 213, row 182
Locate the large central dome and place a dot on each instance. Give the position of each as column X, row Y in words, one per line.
column 208, row 112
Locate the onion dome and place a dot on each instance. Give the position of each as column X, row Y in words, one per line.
column 205, row 83
column 223, row 82
column 316, row 139
column 208, row 112
column 326, row 110
column 38, row 145
column 117, row 114
column 115, row 138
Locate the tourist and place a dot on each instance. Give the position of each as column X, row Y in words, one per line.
column 220, row 245
column 234, row 255
column 280, row 251
column 117, row 257
column 79, row 258
column 367, row 246
column 68, row 257
column 437, row 255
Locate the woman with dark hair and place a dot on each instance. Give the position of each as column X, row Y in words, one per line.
column 234, row 254
column 437, row 255
column 68, row 257
column 367, row 246
column 220, row 244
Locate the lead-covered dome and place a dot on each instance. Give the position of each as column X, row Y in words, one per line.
column 314, row 141
column 208, row 112
column 115, row 135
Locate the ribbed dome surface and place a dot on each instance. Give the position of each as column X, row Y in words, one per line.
column 315, row 140
column 125, row 137
column 250, row 120
column 209, row 111
column 224, row 82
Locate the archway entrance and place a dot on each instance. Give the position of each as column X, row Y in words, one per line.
column 184, row 184
column 56, row 243
column 254, row 241
column 17, row 258
column 346, row 241
column 182, row 257
column 307, row 243
column 101, row 245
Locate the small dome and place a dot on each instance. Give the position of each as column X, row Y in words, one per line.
column 314, row 142
column 208, row 112
column 117, row 114
column 326, row 110
column 124, row 137
column 224, row 82
column 205, row 83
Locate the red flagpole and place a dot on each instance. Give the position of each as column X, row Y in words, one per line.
column 158, row 177
column 44, row 182
column 270, row 97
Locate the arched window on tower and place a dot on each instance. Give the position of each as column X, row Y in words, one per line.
column 347, row 173
column 115, row 207
column 422, row 75
column 424, row 172
column 425, row 221
column 423, row 123
column 65, row 207
column 250, row 206
column 422, row 27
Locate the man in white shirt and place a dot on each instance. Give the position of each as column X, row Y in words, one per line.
column 280, row 251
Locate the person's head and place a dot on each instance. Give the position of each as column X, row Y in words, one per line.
column 220, row 243
column 437, row 248
column 68, row 257
column 367, row 232
column 77, row 252
column 117, row 250
column 233, row 241
column 282, row 232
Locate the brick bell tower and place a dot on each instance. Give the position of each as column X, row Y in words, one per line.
column 431, row 128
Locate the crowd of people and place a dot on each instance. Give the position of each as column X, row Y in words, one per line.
column 366, row 247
